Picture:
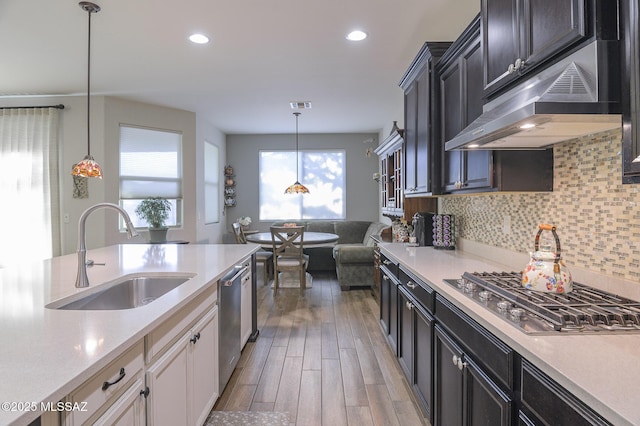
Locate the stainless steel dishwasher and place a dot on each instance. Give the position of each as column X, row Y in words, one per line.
column 229, row 308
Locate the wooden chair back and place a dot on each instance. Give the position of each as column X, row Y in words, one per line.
column 287, row 245
column 239, row 233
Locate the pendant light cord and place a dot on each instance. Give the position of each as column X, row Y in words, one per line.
column 89, row 11
column 297, row 177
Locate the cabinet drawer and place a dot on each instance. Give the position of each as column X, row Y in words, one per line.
column 126, row 367
column 493, row 355
column 170, row 330
column 389, row 264
column 418, row 289
column 551, row 403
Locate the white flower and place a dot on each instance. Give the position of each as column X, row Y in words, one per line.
column 244, row 220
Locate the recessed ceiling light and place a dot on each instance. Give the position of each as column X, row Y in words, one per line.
column 473, row 145
column 300, row 105
column 199, row 38
column 356, row 35
column 527, row 126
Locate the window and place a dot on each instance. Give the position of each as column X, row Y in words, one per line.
column 320, row 171
column 211, row 183
column 150, row 166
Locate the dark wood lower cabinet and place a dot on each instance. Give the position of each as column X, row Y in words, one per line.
column 546, row 402
column 460, row 373
column 415, row 351
column 389, row 306
column 464, row 394
column 449, row 382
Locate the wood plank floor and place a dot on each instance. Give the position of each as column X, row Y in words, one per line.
column 323, row 359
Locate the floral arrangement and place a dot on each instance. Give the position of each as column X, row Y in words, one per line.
column 244, row 220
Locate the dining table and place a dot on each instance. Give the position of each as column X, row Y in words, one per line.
column 310, row 238
column 317, row 239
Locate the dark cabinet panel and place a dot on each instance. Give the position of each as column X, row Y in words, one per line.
column 421, row 169
column 550, row 403
column 423, row 359
column 501, row 36
column 520, row 35
column 461, row 103
column 405, row 346
column 487, row 404
column 448, row 389
column 630, row 91
column 385, row 289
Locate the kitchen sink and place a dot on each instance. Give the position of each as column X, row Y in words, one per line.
column 131, row 292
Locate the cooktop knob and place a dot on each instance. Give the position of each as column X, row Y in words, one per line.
column 503, row 306
column 516, row 314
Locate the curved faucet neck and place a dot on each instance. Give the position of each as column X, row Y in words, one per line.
column 82, row 280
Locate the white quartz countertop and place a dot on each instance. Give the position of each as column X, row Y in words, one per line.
column 601, row 370
column 47, row 353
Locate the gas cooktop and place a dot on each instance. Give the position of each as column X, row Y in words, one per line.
column 584, row 310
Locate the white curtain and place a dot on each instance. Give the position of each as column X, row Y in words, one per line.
column 29, row 187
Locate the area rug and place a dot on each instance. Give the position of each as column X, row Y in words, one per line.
column 247, row 418
column 292, row 280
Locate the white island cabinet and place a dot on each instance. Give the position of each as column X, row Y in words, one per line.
column 183, row 380
column 151, row 365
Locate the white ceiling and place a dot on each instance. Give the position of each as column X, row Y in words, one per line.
column 262, row 55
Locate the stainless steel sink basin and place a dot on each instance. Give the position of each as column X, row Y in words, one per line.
column 128, row 294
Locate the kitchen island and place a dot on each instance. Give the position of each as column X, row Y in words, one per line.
column 48, row 353
column 600, row 370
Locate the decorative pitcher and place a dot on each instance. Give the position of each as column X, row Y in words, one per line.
column 546, row 271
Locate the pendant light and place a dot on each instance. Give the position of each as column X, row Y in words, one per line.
column 88, row 166
column 297, row 187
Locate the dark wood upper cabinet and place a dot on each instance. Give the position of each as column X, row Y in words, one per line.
column 421, row 163
column 520, row 35
column 630, row 95
column 461, row 102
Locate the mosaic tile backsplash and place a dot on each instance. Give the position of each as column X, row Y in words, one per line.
column 597, row 217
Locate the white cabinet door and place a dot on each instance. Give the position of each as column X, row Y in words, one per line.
column 204, row 367
column 128, row 410
column 246, row 313
column 167, row 379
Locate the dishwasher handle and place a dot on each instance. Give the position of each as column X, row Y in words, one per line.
column 228, row 280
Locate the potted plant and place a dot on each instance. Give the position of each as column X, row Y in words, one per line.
column 154, row 211
column 244, row 221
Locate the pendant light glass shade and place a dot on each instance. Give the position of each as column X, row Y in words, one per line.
column 297, row 187
column 88, row 166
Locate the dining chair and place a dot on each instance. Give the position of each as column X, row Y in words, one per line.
column 288, row 245
column 262, row 256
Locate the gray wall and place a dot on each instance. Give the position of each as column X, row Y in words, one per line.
column 361, row 193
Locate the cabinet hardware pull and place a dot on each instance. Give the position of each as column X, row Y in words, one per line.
column 455, row 360
column 411, row 285
column 106, row 385
column 386, row 278
column 386, row 262
column 195, row 337
column 461, row 364
column 145, row 392
column 409, row 305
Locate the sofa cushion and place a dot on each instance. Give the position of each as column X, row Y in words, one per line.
column 374, row 229
column 322, row 226
column 351, row 231
column 348, row 254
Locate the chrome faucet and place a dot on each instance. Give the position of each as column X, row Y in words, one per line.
column 82, row 280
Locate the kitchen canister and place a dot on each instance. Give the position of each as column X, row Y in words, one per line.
column 444, row 236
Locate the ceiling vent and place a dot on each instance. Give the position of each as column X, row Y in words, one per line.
column 300, row 105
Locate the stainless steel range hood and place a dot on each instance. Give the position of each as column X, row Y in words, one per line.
column 575, row 97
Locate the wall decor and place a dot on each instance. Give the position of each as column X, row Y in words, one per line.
column 229, row 187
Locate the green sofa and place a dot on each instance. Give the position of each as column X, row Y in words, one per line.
column 352, row 256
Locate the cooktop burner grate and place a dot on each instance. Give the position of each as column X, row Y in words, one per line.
column 584, row 309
